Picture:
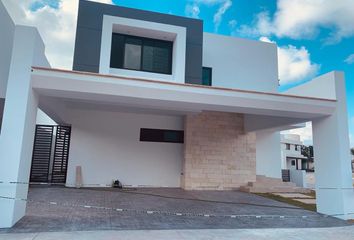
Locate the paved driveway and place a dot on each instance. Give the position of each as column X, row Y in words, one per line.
column 65, row 209
column 342, row 233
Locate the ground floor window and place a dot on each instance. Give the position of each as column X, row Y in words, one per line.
column 161, row 135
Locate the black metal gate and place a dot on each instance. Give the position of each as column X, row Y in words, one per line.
column 42, row 150
column 50, row 164
column 61, row 154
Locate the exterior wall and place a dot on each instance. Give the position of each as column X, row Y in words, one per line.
column 106, row 145
column 241, row 63
column 268, row 154
column 19, row 118
column 334, row 184
column 7, row 28
column 89, row 32
column 218, row 153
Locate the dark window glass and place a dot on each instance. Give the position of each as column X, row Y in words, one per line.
column 293, row 163
column 148, row 56
column 207, row 76
column 287, row 146
column 142, row 54
column 161, row 135
column 132, row 54
column 117, row 51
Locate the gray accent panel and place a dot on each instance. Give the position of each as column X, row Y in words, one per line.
column 89, row 30
column 90, row 46
column 193, row 62
column 87, row 68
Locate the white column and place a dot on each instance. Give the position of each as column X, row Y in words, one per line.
column 334, row 192
column 17, row 135
column 268, row 155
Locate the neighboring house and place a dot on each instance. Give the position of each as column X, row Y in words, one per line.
column 154, row 101
column 292, row 157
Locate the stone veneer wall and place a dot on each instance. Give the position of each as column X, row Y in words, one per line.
column 218, row 153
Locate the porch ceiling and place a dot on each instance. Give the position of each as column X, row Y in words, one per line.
column 147, row 94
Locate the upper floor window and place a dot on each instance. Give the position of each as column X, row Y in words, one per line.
column 297, row 147
column 207, row 76
column 287, row 145
column 141, row 54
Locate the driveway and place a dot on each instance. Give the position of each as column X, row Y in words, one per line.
column 66, row 209
column 342, row 233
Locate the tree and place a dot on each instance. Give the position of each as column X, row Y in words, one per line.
column 307, row 151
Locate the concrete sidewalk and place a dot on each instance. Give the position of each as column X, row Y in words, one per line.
column 342, row 233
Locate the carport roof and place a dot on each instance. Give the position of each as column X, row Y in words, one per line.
column 138, row 92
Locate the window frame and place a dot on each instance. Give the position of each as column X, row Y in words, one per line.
column 287, row 146
column 143, row 39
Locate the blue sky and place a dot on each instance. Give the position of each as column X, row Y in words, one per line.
column 314, row 37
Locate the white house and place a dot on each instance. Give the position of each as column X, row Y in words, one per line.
column 154, row 101
column 291, row 154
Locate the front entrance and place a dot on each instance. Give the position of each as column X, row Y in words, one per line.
column 50, row 154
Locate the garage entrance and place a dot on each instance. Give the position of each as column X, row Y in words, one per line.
column 50, row 154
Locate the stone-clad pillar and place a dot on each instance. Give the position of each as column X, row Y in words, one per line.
column 218, row 153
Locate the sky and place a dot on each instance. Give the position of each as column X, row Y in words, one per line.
column 313, row 37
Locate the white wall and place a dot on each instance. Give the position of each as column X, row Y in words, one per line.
column 107, row 146
column 44, row 119
column 321, row 87
column 241, row 63
column 7, row 29
column 298, row 177
column 268, row 156
column 19, row 118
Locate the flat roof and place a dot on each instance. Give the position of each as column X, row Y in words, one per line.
column 188, row 85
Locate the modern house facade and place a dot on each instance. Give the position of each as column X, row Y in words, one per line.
column 154, row 101
column 291, row 154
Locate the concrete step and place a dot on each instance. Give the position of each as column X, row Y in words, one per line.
column 274, row 189
column 274, row 184
column 265, row 184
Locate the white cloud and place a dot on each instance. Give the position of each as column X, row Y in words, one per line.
column 193, row 9
column 220, row 13
column 56, row 26
column 232, row 23
column 294, row 63
column 350, row 59
column 305, row 133
column 302, row 19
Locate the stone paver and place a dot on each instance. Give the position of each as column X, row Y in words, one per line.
column 66, row 215
column 342, row 233
column 292, row 195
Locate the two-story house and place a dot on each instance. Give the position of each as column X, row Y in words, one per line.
column 292, row 157
column 152, row 100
